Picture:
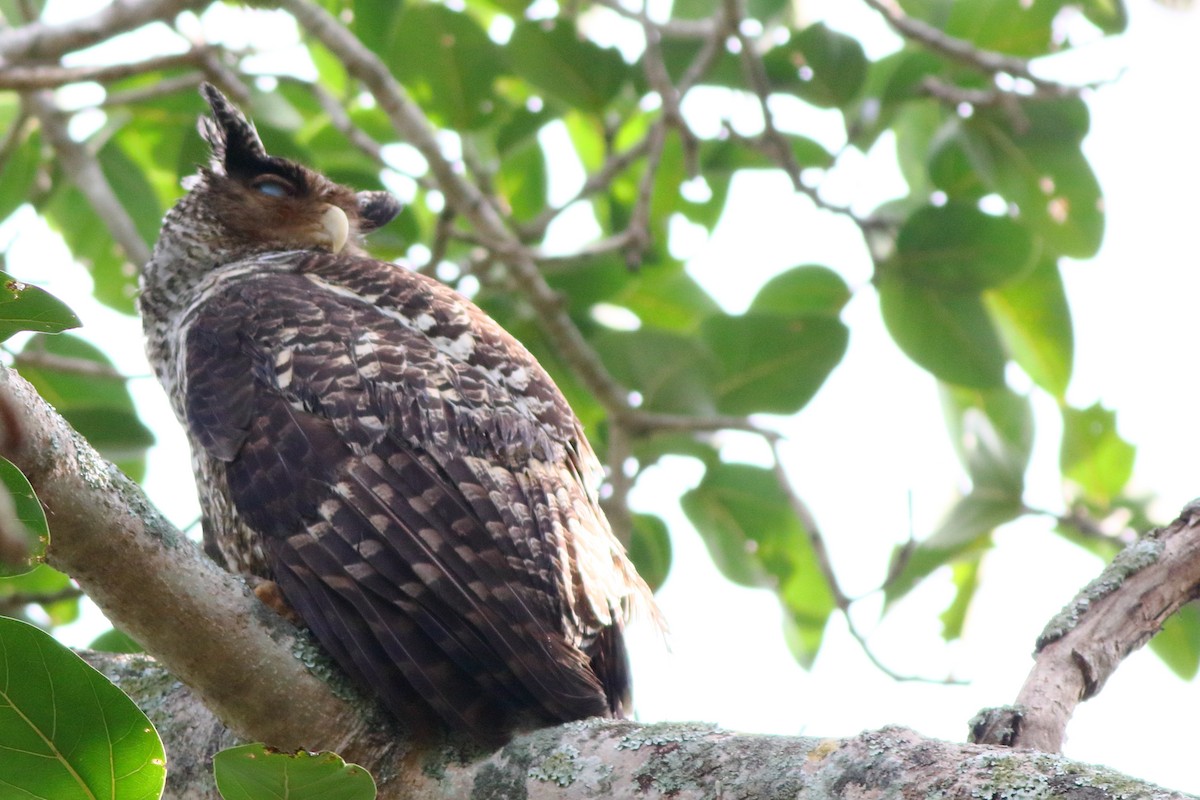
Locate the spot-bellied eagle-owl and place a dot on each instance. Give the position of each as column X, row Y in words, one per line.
column 374, row 446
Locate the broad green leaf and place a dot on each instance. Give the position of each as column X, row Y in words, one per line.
column 447, row 62
column 22, row 515
column 18, row 171
column 1035, row 162
column 1018, row 27
column 24, row 307
column 522, row 180
column 672, row 372
column 963, row 533
column 1034, row 322
column 946, row 332
column 556, row 59
column 1094, row 456
column 992, row 432
column 376, row 23
column 890, row 83
column 966, row 581
column 53, row 589
column 252, row 772
column 770, row 363
column 959, row 247
column 115, row 641
column 802, row 291
column 821, row 65
column 650, row 549
column 1178, row 643
column 78, row 380
column 666, row 296
column 65, row 731
column 755, row 539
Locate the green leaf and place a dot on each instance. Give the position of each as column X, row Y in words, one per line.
column 650, row 549
column 1094, row 456
column 1034, row 322
column 1178, row 643
column 43, row 582
column 557, row 60
column 963, row 533
column 824, row 67
column 1035, row 162
column 802, row 291
column 672, row 372
column 966, row 582
column 1018, row 27
column 252, row 772
column 27, row 308
column 447, row 62
column 992, row 432
column 79, row 380
column 115, row 641
column 1109, row 16
column 18, row 173
column 23, row 517
column 65, row 731
column 959, row 247
column 755, row 539
column 946, row 332
column 770, row 363
column 522, row 180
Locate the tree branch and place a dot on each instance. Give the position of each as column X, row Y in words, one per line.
column 1112, row 616
column 45, row 76
column 683, row 761
column 39, row 41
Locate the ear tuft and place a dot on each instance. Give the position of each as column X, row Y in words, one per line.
column 236, row 148
column 376, row 209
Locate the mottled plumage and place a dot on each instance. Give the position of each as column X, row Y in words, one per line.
column 376, row 445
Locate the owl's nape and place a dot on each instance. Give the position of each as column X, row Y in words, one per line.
column 375, row 444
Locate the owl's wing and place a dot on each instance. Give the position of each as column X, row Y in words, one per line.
column 428, row 521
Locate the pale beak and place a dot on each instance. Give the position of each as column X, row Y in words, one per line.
column 336, row 226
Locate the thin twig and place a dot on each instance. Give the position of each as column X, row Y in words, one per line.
column 18, row 600
column 841, row 600
column 960, row 50
column 756, row 76
column 47, row 76
column 40, row 41
column 76, row 366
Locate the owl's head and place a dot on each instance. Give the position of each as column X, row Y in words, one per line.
column 264, row 203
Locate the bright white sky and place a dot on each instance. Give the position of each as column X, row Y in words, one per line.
column 874, row 436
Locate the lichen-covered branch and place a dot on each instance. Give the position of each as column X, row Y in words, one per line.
column 1084, row 644
column 683, row 761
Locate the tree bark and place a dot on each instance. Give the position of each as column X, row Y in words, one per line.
column 682, row 761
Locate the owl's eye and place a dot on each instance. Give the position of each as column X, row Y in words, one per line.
column 272, row 186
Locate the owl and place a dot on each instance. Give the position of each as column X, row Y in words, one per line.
column 373, row 449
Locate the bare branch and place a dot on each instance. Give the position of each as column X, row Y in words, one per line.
column 39, row 41
column 24, row 78
column 1114, row 615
